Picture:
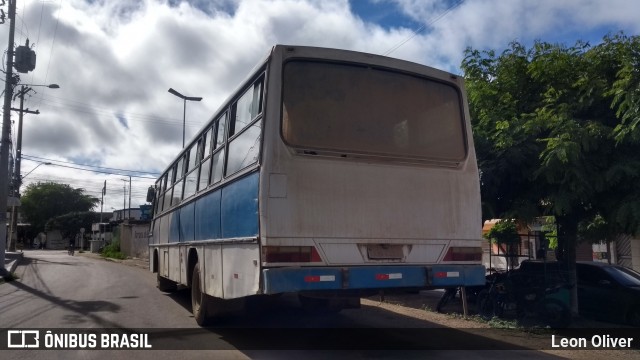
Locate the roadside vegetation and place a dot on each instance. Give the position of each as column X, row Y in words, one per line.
column 8, row 278
column 113, row 251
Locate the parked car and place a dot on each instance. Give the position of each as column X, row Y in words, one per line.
column 605, row 292
column 608, row 292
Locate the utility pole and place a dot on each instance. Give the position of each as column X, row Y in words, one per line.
column 100, row 226
column 17, row 179
column 129, row 197
column 124, row 197
column 6, row 137
column 104, row 191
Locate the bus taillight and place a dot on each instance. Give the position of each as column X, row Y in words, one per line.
column 290, row 254
column 463, row 254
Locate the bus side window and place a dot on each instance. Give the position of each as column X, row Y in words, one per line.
column 246, row 109
column 170, row 179
column 220, row 127
column 244, row 149
column 203, row 177
column 162, row 185
column 217, row 166
column 167, row 198
column 205, row 144
column 203, row 174
column 217, row 160
column 192, row 165
column 193, row 159
column 177, row 193
column 179, row 169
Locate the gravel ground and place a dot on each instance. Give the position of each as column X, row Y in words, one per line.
column 422, row 306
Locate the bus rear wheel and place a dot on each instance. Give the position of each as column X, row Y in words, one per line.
column 200, row 302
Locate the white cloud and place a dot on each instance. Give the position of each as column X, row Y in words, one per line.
column 119, row 58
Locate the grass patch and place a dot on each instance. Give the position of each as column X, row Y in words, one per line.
column 498, row 323
column 495, row 322
column 113, row 251
column 9, row 278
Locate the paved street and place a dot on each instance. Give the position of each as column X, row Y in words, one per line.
column 56, row 290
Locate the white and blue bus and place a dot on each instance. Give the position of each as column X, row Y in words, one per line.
column 332, row 174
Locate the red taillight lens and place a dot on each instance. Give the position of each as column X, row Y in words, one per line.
column 289, row 254
column 463, row 254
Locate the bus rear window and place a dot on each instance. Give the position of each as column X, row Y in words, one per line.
column 361, row 110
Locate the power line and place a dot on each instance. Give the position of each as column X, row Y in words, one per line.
column 37, row 158
column 88, row 109
column 103, row 172
column 55, row 33
column 417, row 31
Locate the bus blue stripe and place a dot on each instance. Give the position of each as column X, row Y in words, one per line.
column 292, row 279
column 365, row 277
column 174, row 226
column 279, row 280
column 187, row 222
column 207, row 217
column 470, row 275
column 239, row 207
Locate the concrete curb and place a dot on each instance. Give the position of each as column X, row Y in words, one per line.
column 12, row 259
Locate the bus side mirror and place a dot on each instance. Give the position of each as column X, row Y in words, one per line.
column 151, row 194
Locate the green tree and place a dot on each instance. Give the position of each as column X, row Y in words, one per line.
column 44, row 201
column 71, row 223
column 557, row 133
column 503, row 232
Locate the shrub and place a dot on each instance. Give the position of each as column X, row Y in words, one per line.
column 113, row 251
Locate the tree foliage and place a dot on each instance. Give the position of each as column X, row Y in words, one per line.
column 557, row 132
column 503, row 232
column 71, row 223
column 44, row 201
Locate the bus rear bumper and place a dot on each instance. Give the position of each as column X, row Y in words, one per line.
column 280, row 280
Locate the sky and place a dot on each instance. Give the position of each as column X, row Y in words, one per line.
column 115, row 60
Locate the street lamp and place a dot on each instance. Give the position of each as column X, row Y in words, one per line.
column 50, row 86
column 27, row 174
column 184, row 111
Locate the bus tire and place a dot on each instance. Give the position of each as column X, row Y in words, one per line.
column 165, row 284
column 200, row 302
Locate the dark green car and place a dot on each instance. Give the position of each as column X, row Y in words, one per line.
column 608, row 293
